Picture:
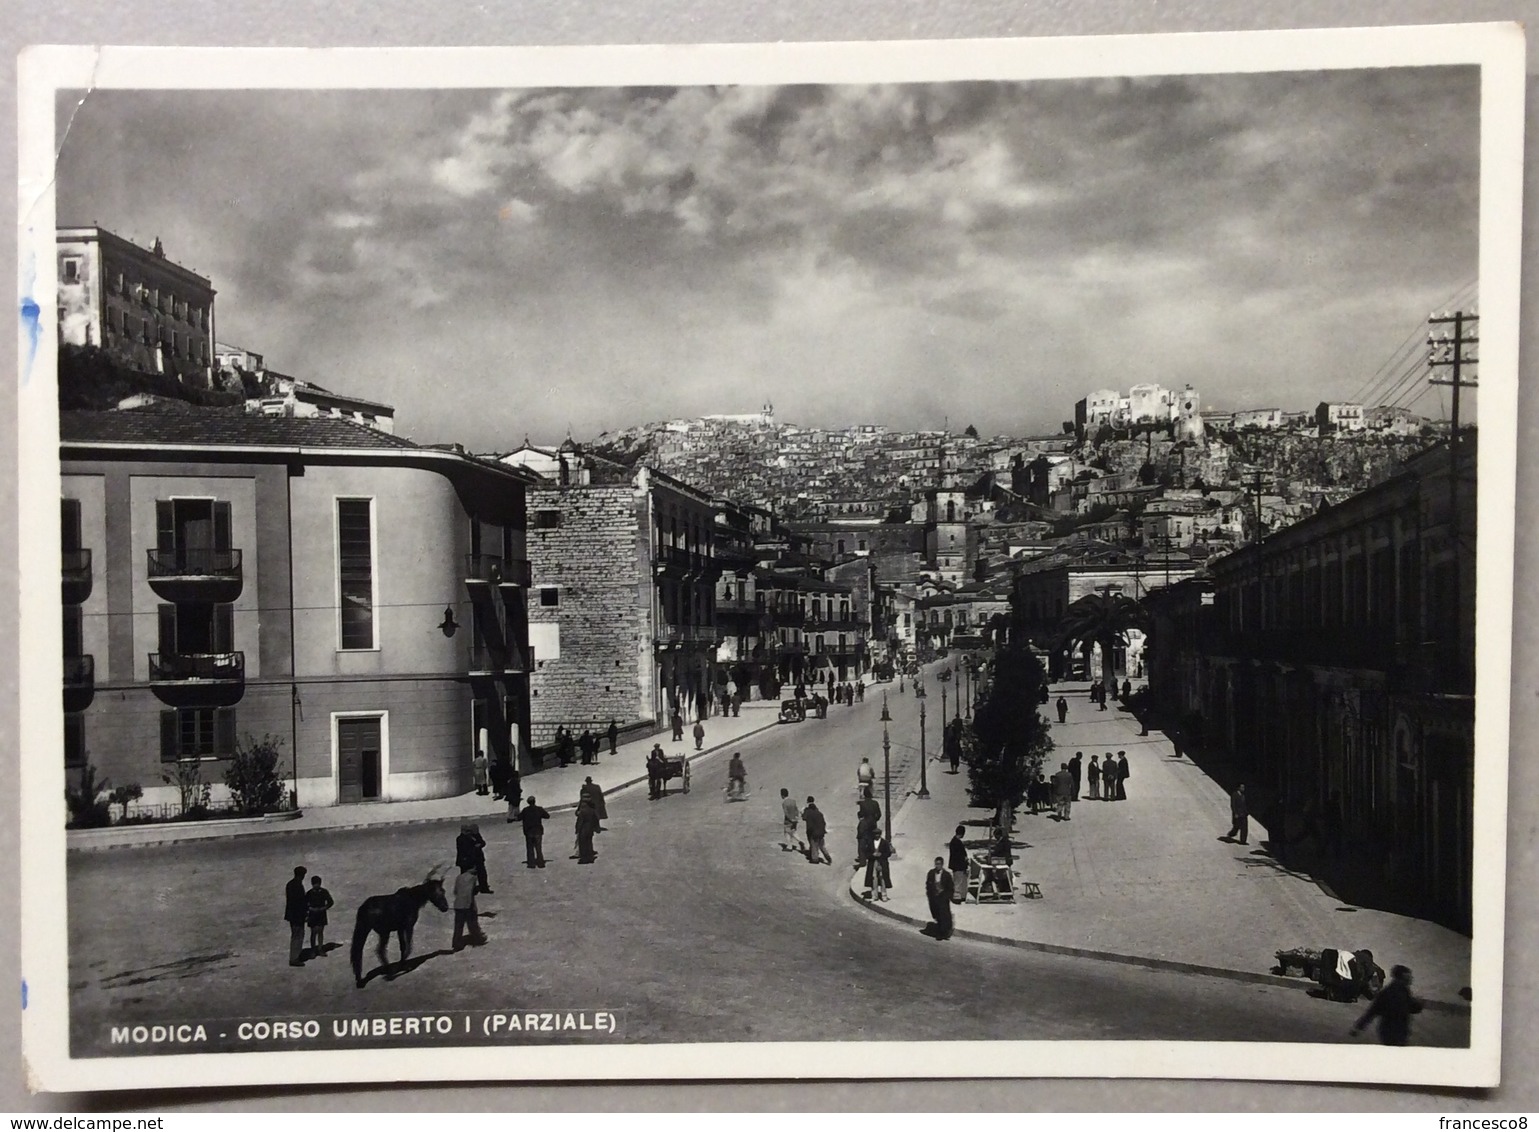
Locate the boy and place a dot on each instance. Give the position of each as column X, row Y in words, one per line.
column 317, row 900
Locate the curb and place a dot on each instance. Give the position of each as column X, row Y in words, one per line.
column 232, row 835
column 1173, row 965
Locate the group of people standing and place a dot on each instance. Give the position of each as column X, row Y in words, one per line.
column 586, row 746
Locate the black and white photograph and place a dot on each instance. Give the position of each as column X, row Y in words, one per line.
column 833, row 560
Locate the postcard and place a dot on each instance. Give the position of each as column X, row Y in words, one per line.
column 948, row 559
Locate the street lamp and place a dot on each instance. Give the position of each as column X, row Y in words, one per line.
column 886, row 774
column 924, row 784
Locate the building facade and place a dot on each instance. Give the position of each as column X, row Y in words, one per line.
column 623, row 610
column 1334, row 662
column 227, row 577
column 146, row 312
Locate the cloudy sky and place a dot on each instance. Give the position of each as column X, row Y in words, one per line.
column 497, row 264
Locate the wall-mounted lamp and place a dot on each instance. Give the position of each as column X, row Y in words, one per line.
column 449, row 625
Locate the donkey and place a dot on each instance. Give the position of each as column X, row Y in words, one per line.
column 396, row 912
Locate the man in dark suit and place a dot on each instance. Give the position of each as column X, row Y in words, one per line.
column 938, row 889
column 294, row 909
column 533, row 819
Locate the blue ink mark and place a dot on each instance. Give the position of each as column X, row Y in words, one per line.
column 24, row 994
column 30, row 313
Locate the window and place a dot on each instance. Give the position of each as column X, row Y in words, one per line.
column 122, row 284
column 355, row 571
column 550, row 596
column 69, row 269
column 547, row 519
column 862, row 544
column 196, row 733
column 74, row 738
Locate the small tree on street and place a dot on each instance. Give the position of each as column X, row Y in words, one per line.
column 256, row 786
column 87, row 805
column 1008, row 740
column 192, row 793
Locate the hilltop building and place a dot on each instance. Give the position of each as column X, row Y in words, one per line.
column 147, row 312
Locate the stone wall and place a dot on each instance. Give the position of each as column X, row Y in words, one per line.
column 596, row 560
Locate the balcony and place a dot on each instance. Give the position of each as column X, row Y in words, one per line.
column 487, row 660
column 195, row 574
column 669, row 636
column 677, row 562
column 76, row 576
column 495, row 570
column 197, row 669
column 79, row 671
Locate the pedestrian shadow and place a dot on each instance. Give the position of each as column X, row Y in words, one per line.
column 1261, row 859
column 176, row 969
column 392, row 971
column 321, row 952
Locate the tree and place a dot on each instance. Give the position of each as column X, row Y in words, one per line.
column 192, row 792
column 971, row 430
column 125, row 796
column 252, row 776
column 87, row 805
column 1102, row 619
column 1008, row 739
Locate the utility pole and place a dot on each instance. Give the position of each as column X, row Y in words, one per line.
column 1254, row 487
column 1448, row 351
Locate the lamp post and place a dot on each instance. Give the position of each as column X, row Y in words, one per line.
column 886, row 774
column 924, row 783
column 957, row 710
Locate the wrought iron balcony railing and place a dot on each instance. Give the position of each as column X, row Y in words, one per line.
column 197, row 668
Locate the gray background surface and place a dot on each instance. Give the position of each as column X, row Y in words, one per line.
column 533, row 22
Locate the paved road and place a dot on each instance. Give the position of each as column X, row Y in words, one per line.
column 692, row 923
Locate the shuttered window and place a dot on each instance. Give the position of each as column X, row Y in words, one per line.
column 355, row 572
column 196, row 733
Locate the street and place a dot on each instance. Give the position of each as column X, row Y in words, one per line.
column 693, row 925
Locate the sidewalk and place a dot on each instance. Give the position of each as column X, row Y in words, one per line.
column 555, row 786
column 1146, row 880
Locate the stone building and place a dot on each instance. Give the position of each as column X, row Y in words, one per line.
column 147, row 312
column 622, row 618
column 228, row 576
column 1333, row 662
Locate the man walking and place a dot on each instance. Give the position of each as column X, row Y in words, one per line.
column 938, row 890
column 614, row 737
column 470, row 852
column 699, row 734
column 465, row 916
column 817, row 829
column 678, row 726
column 1393, row 1007
column 295, row 907
column 655, row 772
column 594, row 794
column 1122, row 776
column 1239, row 814
column 791, row 815
column 956, row 861
column 1063, row 785
column 1093, row 773
column 533, row 819
column 1074, row 773
column 586, row 824
column 1063, row 709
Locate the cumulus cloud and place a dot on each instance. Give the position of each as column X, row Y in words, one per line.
column 871, row 249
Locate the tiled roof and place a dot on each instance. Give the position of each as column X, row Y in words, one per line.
column 220, row 428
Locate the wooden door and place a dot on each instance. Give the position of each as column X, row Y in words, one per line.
column 358, row 759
